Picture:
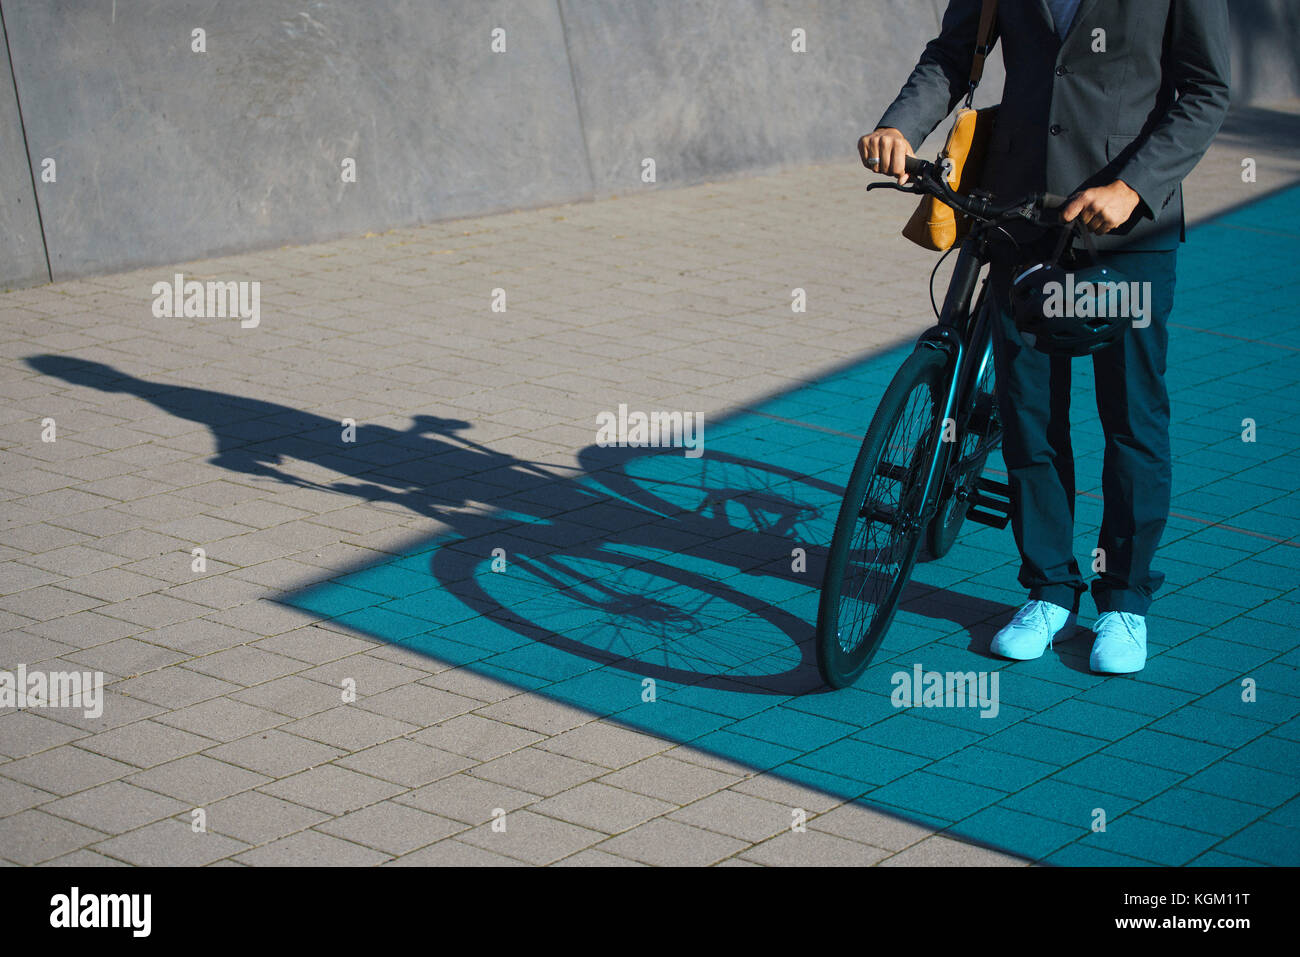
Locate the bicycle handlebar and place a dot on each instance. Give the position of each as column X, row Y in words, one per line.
column 929, row 178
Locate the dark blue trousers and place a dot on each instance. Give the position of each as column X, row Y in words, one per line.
column 1133, row 404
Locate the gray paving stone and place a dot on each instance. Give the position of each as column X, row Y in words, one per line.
column 134, row 542
column 332, row 789
column 115, row 807
column 477, row 737
column 531, row 838
column 737, row 815
column 399, row 653
column 200, row 636
column 145, row 744
column 72, row 560
column 174, row 688
column 15, row 577
column 467, row 798
column 20, row 647
column 535, row 713
column 940, row 851
column 789, row 793
column 349, row 727
column 246, row 666
column 454, row 853
column 84, row 858
column 84, row 629
column 461, row 681
column 216, row 591
column 869, row 826
column 291, row 696
column 392, row 828
column 169, row 843
column 127, row 656
column 274, row 753
column 540, row 772
column 312, row 849
column 592, row 857
column 113, row 585
column 606, row 744
column 602, row 808
column 222, row 719
column 30, row 837
column 28, row 732
column 65, row 770
column 372, row 676
column 406, row 762
column 263, row 618
column 313, row 644
column 814, row 848
column 155, row 611
column 118, row 709
column 668, row 779
column 257, row 818
column 15, row 797
column 197, row 779
column 47, row 601
column 418, row 704
column 665, row 842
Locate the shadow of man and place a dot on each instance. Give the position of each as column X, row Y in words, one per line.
column 720, row 509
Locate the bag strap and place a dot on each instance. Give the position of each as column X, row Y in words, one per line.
column 983, row 46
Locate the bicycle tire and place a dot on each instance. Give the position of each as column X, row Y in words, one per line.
column 841, row 665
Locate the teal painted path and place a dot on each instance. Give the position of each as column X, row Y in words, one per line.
column 651, row 567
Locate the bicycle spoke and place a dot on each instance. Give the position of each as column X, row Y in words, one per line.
column 889, row 520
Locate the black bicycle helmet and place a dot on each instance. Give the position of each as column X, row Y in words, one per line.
column 1068, row 312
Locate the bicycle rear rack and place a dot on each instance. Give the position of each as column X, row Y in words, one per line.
column 990, row 503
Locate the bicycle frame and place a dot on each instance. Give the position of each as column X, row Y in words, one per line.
column 952, row 334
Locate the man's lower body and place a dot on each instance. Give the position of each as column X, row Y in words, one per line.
column 1133, row 405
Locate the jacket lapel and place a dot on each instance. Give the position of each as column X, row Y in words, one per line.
column 1046, row 12
column 1085, row 8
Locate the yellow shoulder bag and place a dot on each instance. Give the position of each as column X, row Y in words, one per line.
column 935, row 225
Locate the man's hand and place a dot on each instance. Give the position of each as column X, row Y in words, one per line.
column 890, row 147
column 1102, row 208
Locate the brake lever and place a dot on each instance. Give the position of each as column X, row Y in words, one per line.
column 895, row 186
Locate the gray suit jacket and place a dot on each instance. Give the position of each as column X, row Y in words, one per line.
column 1135, row 91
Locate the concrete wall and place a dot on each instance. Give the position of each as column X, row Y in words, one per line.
column 22, row 254
column 708, row 88
column 165, row 154
column 1265, row 50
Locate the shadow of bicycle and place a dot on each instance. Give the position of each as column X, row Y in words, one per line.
column 697, row 571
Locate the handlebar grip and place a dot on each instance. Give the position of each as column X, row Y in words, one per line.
column 1052, row 201
column 914, row 165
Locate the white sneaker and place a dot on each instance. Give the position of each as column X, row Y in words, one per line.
column 1031, row 630
column 1121, row 645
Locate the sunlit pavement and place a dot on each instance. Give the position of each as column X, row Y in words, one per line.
column 606, row 651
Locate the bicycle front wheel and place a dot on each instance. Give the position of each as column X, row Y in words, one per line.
column 880, row 524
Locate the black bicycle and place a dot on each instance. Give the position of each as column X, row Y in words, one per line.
column 919, row 475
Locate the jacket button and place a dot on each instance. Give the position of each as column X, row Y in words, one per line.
column 1061, row 71
column 1054, row 129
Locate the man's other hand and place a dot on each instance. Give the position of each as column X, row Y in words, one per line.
column 890, row 147
column 1102, row 208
